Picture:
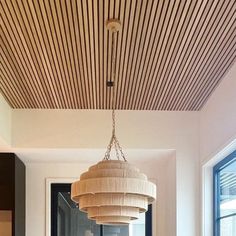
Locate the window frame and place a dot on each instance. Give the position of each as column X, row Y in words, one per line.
column 216, row 191
column 55, row 188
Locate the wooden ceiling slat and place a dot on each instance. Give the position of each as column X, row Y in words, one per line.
column 83, row 52
column 12, row 62
column 63, row 45
column 10, row 34
column 168, row 22
column 196, row 63
column 190, row 11
column 190, row 53
column 170, row 19
column 8, row 93
column 111, row 15
column 49, row 51
column 105, row 52
column 100, row 29
column 173, row 23
column 167, row 8
column 122, row 7
column 170, row 55
column 149, row 60
column 134, row 71
column 88, row 50
column 192, row 46
column 128, row 51
column 48, row 22
column 97, row 79
column 93, row 18
column 222, row 72
column 58, row 47
column 123, row 34
column 220, row 66
column 178, row 24
column 32, row 27
column 190, row 22
column 11, row 92
column 74, row 37
column 30, row 45
column 70, row 46
column 78, row 53
column 202, row 60
column 21, row 31
column 7, row 73
column 214, row 64
column 78, row 76
column 134, row 51
column 144, row 21
column 45, row 49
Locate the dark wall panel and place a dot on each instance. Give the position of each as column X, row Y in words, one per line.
column 12, row 184
column 7, row 181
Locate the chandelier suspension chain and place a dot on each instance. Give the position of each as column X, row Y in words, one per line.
column 113, row 141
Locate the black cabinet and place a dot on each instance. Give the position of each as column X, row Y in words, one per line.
column 12, row 189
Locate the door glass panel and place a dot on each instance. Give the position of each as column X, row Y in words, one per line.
column 227, row 178
column 135, row 228
column 71, row 221
column 228, row 226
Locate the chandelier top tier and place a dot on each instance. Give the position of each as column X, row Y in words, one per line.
column 113, row 192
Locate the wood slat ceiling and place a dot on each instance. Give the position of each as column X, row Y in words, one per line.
column 171, row 54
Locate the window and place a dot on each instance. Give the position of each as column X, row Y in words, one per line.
column 225, row 196
column 68, row 220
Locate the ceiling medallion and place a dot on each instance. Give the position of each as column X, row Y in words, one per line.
column 113, row 192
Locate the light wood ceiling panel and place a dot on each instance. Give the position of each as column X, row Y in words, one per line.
column 170, row 54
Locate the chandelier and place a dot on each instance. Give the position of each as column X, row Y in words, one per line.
column 113, row 192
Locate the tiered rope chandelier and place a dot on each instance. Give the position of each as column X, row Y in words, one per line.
column 113, row 192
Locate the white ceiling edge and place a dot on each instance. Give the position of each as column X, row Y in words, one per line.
column 36, row 155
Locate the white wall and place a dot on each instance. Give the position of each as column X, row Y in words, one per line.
column 136, row 129
column 92, row 129
column 217, row 139
column 218, row 118
column 5, row 123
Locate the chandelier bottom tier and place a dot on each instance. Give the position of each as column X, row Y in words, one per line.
column 113, row 192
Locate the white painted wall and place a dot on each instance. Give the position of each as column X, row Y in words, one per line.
column 218, row 118
column 92, row 129
column 136, row 129
column 217, row 139
column 5, row 123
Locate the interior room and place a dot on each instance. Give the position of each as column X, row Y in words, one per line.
column 118, row 118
